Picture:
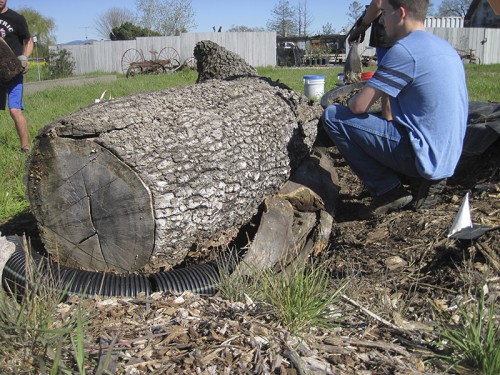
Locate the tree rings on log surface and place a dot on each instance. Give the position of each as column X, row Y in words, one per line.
column 96, row 201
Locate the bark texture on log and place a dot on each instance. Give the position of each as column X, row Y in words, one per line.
column 10, row 66
column 215, row 62
column 140, row 181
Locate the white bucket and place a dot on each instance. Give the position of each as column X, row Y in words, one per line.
column 340, row 79
column 314, row 86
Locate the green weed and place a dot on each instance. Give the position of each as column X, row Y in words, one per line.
column 300, row 296
column 475, row 342
column 35, row 336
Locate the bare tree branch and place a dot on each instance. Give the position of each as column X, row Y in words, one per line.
column 456, row 8
column 168, row 17
column 283, row 19
column 113, row 17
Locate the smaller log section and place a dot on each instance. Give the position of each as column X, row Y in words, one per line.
column 136, row 183
column 10, row 66
column 214, row 62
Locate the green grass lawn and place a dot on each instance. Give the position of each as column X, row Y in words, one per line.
column 47, row 106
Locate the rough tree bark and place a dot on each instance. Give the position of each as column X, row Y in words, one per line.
column 10, row 66
column 136, row 183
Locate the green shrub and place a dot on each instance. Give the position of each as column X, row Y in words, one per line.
column 61, row 64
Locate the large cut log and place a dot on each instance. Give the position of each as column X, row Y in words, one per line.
column 136, row 183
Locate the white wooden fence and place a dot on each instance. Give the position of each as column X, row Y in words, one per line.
column 257, row 48
column 485, row 42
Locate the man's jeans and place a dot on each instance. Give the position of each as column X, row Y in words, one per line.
column 377, row 150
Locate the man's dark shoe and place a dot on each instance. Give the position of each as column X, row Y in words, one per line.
column 426, row 192
column 391, row 201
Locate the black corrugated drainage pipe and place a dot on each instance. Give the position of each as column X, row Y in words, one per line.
column 201, row 279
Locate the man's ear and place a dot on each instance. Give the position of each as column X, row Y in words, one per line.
column 404, row 13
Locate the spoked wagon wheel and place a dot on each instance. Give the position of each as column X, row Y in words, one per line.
column 190, row 63
column 130, row 57
column 169, row 58
column 137, row 68
column 156, row 67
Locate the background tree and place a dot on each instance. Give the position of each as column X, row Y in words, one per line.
column 456, row 8
column 355, row 11
column 42, row 27
column 113, row 17
column 243, row 28
column 129, row 31
column 167, row 17
column 328, row 29
column 304, row 18
column 147, row 15
column 179, row 18
column 283, row 19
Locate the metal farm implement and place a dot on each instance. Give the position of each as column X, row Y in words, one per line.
column 469, row 56
column 167, row 60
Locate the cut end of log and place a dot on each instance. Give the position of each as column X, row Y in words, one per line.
column 95, row 202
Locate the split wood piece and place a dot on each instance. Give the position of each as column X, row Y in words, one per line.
column 137, row 182
column 297, row 221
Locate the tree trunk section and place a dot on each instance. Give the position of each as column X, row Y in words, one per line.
column 136, row 183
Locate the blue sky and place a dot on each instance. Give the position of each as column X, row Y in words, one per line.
column 76, row 19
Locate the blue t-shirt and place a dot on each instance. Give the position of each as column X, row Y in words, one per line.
column 425, row 80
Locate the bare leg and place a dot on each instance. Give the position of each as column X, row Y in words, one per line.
column 386, row 108
column 21, row 126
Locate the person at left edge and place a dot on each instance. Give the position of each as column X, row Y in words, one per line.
column 14, row 30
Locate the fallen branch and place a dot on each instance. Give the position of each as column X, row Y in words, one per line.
column 490, row 255
column 368, row 344
column 369, row 313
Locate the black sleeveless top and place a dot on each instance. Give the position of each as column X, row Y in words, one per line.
column 378, row 37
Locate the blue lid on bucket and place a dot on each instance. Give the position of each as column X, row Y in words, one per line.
column 314, row 77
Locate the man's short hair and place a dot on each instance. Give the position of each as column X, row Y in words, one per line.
column 417, row 9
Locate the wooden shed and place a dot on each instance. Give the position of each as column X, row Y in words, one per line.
column 483, row 13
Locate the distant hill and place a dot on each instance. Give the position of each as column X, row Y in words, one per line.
column 77, row 42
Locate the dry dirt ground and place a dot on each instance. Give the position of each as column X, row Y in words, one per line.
column 405, row 279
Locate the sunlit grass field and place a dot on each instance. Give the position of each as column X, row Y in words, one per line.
column 49, row 105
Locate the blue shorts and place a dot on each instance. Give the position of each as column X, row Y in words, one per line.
column 14, row 91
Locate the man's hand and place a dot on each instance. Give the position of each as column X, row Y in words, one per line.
column 364, row 99
column 24, row 63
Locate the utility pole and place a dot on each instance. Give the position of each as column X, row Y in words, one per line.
column 86, row 28
column 35, row 42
